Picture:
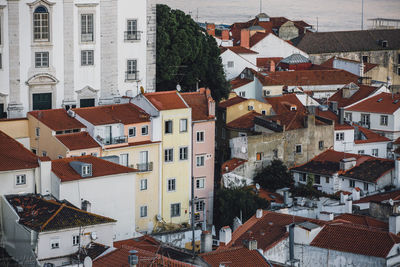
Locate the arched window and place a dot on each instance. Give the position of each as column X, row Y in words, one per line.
column 41, row 24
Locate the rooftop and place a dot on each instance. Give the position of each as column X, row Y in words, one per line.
column 245, row 122
column 75, row 141
column 385, row 103
column 263, row 61
column 367, row 66
column 56, row 119
column 282, row 104
column 119, row 113
column 199, row 102
column 39, row 214
column 237, row 50
column 394, row 195
column 363, row 220
column 235, row 257
column 344, row 97
column 368, row 136
column 295, row 59
column 166, row 100
column 14, row 156
column 231, row 101
column 231, row 164
column 100, row 167
column 238, row 82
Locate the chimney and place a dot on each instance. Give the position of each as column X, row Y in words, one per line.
column 397, row 172
column 236, row 223
column 225, row 235
column 245, row 38
column 361, row 69
column 341, row 115
column 291, row 242
column 225, row 35
column 286, row 197
column 133, row 259
column 355, row 194
column 326, row 216
column 211, row 29
column 347, row 163
column 349, row 206
column 394, row 224
column 44, row 176
column 343, row 198
column 334, row 106
column 206, row 242
column 259, row 213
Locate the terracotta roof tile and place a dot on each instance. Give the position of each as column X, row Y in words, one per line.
column 14, row 156
column 231, row 101
column 262, row 61
column 363, row 220
column 394, row 195
column 238, row 50
column 282, row 104
column 235, row 257
column 43, row 215
column 257, row 37
column 363, row 92
column 199, row 102
column 231, row 164
column 355, row 239
column 122, row 113
column 166, row 100
column 100, row 167
column 245, row 122
column 371, row 137
column 57, row 119
column 382, row 103
column 238, row 82
column 270, row 196
column 75, row 141
column 397, row 141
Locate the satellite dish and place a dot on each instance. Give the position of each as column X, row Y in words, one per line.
column 93, row 235
column 178, row 87
column 87, row 262
column 257, row 186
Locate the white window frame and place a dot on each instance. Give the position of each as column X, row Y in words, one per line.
column 301, row 149
column 44, row 153
column 231, row 64
column 183, row 123
column 143, row 211
column 87, row 57
column 41, row 25
column 146, row 130
column 87, row 27
column 143, row 184
column 200, row 161
column 75, row 240
column 200, row 182
column 175, row 209
column 361, row 152
column 321, row 145
column 55, row 243
column 167, row 128
column 42, row 59
column 384, row 120
column 134, row 131
column 186, row 154
column 242, row 93
column 170, row 156
column 200, row 137
column 200, row 205
column 348, row 116
column 20, row 179
column 171, row 185
column 339, row 136
column 85, row 169
column 375, row 152
column 352, row 183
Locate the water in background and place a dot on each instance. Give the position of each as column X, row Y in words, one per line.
column 332, row 15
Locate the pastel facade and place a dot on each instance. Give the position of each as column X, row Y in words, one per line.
column 17, row 129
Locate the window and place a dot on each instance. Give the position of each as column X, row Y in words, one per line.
column 176, row 210
column 20, row 179
column 34, row 151
column 41, row 24
column 303, row 177
column 365, row 186
column 143, row 184
column 340, row 136
column 168, row 127
column 131, row 30
column 44, row 153
column 83, row 153
column 87, row 57
column 263, row 112
column 183, row 153
column 365, row 120
column 145, row 130
column 60, row 157
column 242, row 94
column 348, row 116
column 352, row 183
column 171, row 185
column 55, row 243
column 124, row 159
column 231, row 64
column 132, row 132
column 87, row 28
column 365, row 59
column 131, row 70
column 37, row 131
column 75, row 240
column 143, row 211
column 94, row 154
column 169, row 155
column 275, row 152
column 200, row 183
column 327, row 180
column 200, row 161
column 321, row 145
column 375, row 152
column 384, row 120
column 183, row 125
column 259, row 156
column 85, row 169
column 298, row 149
column 398, row 70
column 199, row 205
column 200, row 136
column 317, row 179
column 1, row 61
column 361, row 152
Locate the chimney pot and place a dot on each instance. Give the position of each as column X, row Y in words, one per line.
column 245, row 38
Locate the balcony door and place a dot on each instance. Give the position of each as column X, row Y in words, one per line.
column 124, row 159
column 108, row 135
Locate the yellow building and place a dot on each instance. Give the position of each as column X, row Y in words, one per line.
column 17, row 129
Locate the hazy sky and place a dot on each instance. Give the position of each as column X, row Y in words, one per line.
column 332, row 14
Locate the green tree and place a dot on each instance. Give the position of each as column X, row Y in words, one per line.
column 274, row 176
column 187, row 55
column 229, row 203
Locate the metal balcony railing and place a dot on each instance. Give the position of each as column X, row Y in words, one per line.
column 113, row 141
column 87, row 37
column 132, row 35
column 145, row 167
column 132, row 75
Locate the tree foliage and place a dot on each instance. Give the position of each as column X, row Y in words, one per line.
column 229, row 202
column 274, row 176
column 186, row 55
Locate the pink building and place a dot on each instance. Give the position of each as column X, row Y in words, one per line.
column 203, row 120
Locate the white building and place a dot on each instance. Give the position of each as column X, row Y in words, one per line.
column 74, row 53
column 235, row 59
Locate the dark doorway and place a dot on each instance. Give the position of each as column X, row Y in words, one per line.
column 87, row 103
column 41, row 101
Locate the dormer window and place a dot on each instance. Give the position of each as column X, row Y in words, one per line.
column 86, row 169
column 41, row 24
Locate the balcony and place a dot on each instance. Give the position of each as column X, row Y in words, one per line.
column 132, row 35
column 132, row 75
column 145, row 167
column 86, row 37
column 113, row 141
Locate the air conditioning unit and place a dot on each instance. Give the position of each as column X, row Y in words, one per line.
column 250, row 107
column 71, row 113
column 266, row 92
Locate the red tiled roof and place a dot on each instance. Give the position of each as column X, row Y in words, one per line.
column 57, row 119
column 363, row 220
column 367, row 66
column 122, row 113
column 394, row 195
column 332, row 116
column 282, row 104
column 75, row 141
column 199, row 102
column 166, row 100
column 291, row 120
column 257, row 37
column 231, row 101
column 14, row 156
column 231, row 164
column 382, row 103
column 397, row 141
column 238, row 82
column 238, row 50
column 235, row 257
column 270, row 196
column 371, row 137
column 355, row 239
column 363, row 92
column 245, row 122
column 100, row 167
column 262, row 61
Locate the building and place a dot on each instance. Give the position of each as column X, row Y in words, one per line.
column 203, row 151
column 333, row 171
column 380, row 47
column 172, row 125
column 90, row 54
column 235, row 59
column 86, row 181
column 50, row 231
column 17, row 129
